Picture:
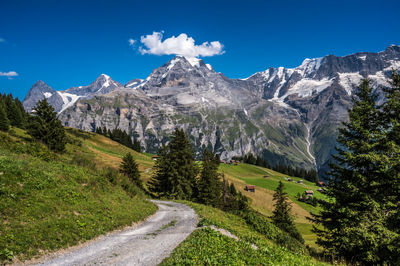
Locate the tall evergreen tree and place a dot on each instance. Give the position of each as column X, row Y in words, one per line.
column 209, row 185
column 390, row 181
column 281, row 215
column 176, row 170
column 130, row 168
column 4, row 122
column 14, row 114
column 136, row 146
column 45, row 126
column 353, row 218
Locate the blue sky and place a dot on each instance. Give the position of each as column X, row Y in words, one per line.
column 70, row 43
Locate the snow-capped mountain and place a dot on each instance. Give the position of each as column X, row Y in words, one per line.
column 61, row 100
column 286, row 115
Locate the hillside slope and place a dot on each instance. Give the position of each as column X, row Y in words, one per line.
column 206, row 246
column 50, row 201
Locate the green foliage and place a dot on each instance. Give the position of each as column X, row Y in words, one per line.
column 281, row 215
column 130, row 168
column 175, row 169
column 45, row 126
column 363, row 190
column 276, row 165
column 120, row 136
column 4, row 122
column 46, row 205
column 14, row 113
column 208, row 247
column 209, row 184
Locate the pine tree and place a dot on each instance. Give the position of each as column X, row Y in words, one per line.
column 4, row 122
column 13, row 112
column 129, row 167
column 176, row 170
column 353, row 218
column 390, row 181
column 281, row 214
column 136, row 146
column 45, row 126
column 209, row 185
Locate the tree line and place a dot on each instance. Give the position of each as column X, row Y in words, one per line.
column 121, row 137
column 179, row 176
column 12, row 113
column 360, row 221
column 307, row 174
column 42, row 124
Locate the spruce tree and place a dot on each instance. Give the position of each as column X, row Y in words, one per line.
column 4, row 122
column 129, row 167
column 176, row 170
column 209, row 185
column 14, row 114
column 46, row 127
column 281, row 215
column 390, row 180
column 353, row 218
column 136, row 146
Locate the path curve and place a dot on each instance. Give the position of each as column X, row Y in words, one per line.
column 146, row 244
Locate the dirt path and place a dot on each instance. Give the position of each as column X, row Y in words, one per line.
column 146, row 244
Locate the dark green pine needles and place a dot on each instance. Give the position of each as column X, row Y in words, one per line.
column 210, row 184
column 4, row 122
column 44, row 126
column 130, row 168
column 175, row 169
column 281, row 215
column 363, row 190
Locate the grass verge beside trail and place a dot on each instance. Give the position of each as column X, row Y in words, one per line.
column 57, row 201
column 208, row 247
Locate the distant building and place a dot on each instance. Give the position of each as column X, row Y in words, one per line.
column 289, row 179
column 309, row 193
column 250, row 188
column 155, row 157
column 321, row 184
column 300, row 181
column 266, row 176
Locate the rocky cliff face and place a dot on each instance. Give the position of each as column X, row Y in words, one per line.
column 286, row 115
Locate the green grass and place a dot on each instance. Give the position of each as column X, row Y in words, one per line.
column 51, row 201
column 207, row 247
column 262, row 200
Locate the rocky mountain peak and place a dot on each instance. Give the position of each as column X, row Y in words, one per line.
column 102, row 85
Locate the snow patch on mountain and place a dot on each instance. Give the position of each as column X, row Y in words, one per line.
column 68, row 98
column 47, row 94
column 309, row 66
column 195, row 62
column 362, row 57
column 349, row 81
column 306, row 87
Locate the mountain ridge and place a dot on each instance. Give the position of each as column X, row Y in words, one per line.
column 286, row 115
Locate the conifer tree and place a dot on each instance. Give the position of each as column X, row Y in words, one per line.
column 176, row 170
column 281, row 214
column 4, row 122
column 390, row 180
column 129, row 167
column 14, row 114
column 45, row 126
column 353, row 218
column 209, row 185
column 136, row 146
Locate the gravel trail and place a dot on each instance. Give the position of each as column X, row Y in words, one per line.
column 146, row 244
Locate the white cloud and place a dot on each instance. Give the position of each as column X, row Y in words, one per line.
column 180, row 45
column 9, row 74
column 131, row 42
